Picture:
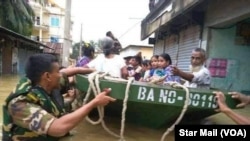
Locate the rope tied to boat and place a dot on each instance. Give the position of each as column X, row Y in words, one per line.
column 92, row 87
column 183, row 111
column 96, row 89
column 125, row 100
column 126, row 96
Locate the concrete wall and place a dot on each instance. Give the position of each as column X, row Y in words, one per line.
column 226, row 12
column 147, row 53
column 222, row 45
column 131, row 50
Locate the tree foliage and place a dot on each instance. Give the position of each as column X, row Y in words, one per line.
column 17, row 15
column 75, row 48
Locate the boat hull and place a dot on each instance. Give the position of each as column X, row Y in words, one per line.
column 156, row 106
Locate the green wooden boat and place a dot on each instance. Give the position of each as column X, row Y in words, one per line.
column 156, row 106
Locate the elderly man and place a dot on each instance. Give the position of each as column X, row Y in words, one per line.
column 199, row 77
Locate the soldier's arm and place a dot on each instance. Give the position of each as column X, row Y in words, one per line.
column 64, row 124
column 76, row 70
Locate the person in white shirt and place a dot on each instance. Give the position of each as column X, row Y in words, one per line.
column 199, row 77
column 108, row 62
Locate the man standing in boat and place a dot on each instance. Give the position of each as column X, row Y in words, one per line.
column 199, row 77
column 109, row 61
column 117, row 44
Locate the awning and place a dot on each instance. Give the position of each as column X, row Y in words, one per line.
column 150, row 24
column 56, row 48
column 35, row 44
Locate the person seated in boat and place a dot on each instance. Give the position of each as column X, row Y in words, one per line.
column 108, row 62
column 199, row 77
column 29, row 111
column 164, row 71
column 146, row 66
column 127, row 59
column 134, row 68
column 154, row 66
column 88, row 53
column 223, row 107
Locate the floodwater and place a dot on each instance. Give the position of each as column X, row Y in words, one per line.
column 85, row 131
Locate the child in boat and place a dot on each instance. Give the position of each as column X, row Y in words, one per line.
column 163, row 72
column 164, row 63
column 154, row 68
column 146, row 66
column 154, row 64
column 134, row 68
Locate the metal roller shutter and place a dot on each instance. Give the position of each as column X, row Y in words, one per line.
column 159, row 47
column 171, row 47
column 189, row 40
column 22, row 56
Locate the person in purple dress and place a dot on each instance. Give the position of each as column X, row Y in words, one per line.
column 88, row 52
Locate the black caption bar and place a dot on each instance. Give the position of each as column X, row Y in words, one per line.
column 215, row 132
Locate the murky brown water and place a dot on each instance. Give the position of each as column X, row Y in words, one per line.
column 88, row 132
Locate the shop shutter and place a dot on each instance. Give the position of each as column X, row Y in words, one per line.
column 171, row 47
column 22, row 56
column 189, row 40
column 159, row 47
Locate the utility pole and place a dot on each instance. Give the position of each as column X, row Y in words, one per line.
column 80, row 47
column 67, row 43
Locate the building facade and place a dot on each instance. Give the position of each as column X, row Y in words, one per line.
column 219, row 27
column 15, row 49
column 146, row 51
column 49, row 26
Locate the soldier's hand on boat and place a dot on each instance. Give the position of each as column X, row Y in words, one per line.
column 244, row 99
column 221, row 101
column 103, row 98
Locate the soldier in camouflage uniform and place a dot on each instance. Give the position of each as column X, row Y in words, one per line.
column 66, row 95
column 31, row 114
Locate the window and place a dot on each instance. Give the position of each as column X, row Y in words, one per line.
column 54, row 39
column 37, row 20
column 54, row 21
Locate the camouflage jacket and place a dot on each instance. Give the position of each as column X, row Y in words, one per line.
column 28, row 112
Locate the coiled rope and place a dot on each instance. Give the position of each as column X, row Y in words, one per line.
column 183, row 111
column 92, row 87
column 125, row 100
column 96, row 89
